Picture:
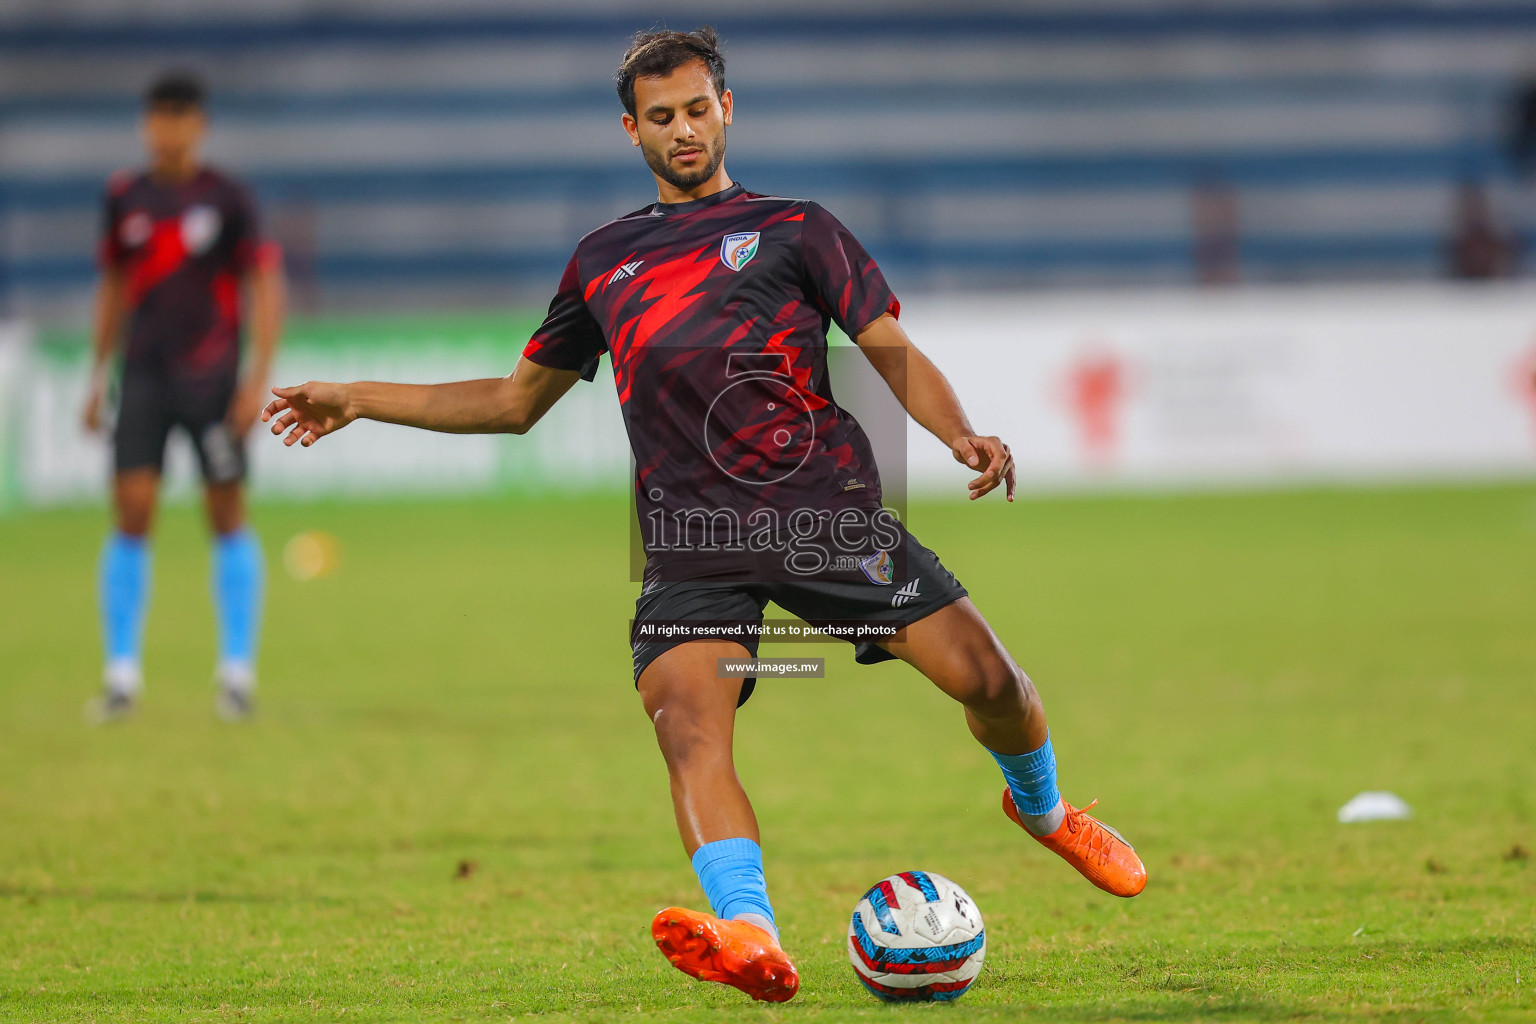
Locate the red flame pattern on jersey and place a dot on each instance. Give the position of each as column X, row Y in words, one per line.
column 162, row 256
column 670, row 290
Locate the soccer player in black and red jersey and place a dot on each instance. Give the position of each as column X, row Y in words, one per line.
column 752, row 484
column 180, row 242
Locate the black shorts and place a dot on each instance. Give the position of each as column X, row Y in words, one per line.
column 842, row 598
column 150, row 404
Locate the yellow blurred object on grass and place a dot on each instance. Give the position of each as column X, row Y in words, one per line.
column 311, row 555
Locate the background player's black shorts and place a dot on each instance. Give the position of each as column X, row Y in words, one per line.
column 150, row 404
column 845, row 597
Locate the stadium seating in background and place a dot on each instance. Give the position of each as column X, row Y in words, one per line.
column 452, row 153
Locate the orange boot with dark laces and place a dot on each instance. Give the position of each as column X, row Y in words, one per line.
column 733, row 953
column 1097, row 851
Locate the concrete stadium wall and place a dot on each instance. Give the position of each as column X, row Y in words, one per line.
column 1158, row 388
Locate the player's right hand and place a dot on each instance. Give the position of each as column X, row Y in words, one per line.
column 313, row 410
column 992, row 457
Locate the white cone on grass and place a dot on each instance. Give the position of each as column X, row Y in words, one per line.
column 1375, row 805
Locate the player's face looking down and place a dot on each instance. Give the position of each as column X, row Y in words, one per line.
column 172, row 134
column 679, row 126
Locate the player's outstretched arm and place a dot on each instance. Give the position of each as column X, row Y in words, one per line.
column 926, row 395
column 501, row 405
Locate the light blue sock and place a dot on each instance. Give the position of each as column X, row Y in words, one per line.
column 1031, row 779
column 237, row 588
column 731, row 872
column 124, row 584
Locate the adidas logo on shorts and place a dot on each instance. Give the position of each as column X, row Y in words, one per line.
column 905, row 594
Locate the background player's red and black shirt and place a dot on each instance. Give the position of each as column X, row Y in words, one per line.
column 183, row 248
column 715, row 314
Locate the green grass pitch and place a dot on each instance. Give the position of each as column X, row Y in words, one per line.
column 1222, row 671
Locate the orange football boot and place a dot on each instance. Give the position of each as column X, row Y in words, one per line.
column 1097, row 851
column 733, row 953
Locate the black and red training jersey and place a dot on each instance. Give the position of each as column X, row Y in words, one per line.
column 184, row 248
column 715, row 314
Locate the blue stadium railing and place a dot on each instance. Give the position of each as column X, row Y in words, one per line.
column 1475, row 156
column 1138, row 94
column 1110, row 24
column 887, row 179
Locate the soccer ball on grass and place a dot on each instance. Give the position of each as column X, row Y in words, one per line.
column 916, row 936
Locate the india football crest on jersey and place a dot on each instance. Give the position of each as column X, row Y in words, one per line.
column 878, row 567
column 200, row 228
column 737, row 250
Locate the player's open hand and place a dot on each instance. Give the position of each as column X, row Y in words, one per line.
column 313, row 410
column 992, row 458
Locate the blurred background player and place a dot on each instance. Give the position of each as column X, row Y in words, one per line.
column 179, row 243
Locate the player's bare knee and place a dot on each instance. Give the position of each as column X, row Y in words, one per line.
column 1000, row 689
column 134, row 518
column 133, row 501
column 226, row 508
column 686, row 739
column 685, row 729
column 137, row 527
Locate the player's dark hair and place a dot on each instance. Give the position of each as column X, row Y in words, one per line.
column 176, row 89
column 661, row 52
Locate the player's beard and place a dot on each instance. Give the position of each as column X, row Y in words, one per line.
column 685, row 180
